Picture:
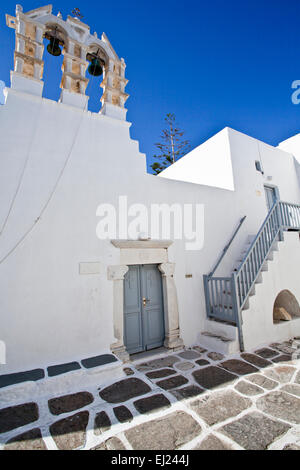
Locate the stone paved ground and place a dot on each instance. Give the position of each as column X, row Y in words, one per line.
column 192, row 399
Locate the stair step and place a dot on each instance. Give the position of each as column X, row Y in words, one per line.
column 218, row 343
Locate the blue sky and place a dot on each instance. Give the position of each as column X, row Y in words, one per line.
column 212, row 63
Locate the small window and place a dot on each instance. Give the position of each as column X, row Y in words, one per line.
column 258, row 166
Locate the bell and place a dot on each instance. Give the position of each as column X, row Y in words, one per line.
column 95, row 67
column 53, row 47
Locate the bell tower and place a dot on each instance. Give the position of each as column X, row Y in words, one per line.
column 85, row 55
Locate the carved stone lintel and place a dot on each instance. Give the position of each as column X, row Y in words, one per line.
column 115, row 273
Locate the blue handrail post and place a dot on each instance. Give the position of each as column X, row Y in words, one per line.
column 237, row 310
column 280, row 221
column 206, row 293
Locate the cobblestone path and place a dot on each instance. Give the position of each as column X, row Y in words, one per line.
column 191, row 399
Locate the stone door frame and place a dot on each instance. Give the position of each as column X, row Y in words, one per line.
column 135, row 252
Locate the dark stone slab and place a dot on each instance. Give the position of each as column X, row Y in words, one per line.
column 220, row 406
column 173, row 382
column 212, row 443
column 111, row 444
column 30, row 440
column 187, row 392
column 124, row 390
column 199, row 349
column 281, row 405
column 283, row 358
column 63, row 368
column 69, row 403
column 285, row 347
column 70, row 433
column 29, row 376
column 128, row 371
column 153, row 403
column 266, row 353
column 255, row 431
column 16, row 416
column 211, row 377
column 158, row 374
column 123, row 414
column 98, row 361
column 238, row 367
column 202, row 362
column 102, row 423
column 256, row 360
column 167, row 433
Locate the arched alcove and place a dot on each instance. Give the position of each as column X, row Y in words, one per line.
column 288, row 303
column 94, row 90
column 52, row 64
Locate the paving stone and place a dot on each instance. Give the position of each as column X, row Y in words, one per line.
column 215, row 356
column 281, row 405
column 212, row 443
column 153, row 403
column 189, row 354
column 159, row 374
column 294, row 389
column 211, row 377
column 256, row 360
column 202, row 362
column 248, row 389
column 291, row 447
column 20, row 377
column 63, row 369
column 111, row 444
column 172, row 382
column 98, row 361
column 187, row 392
column 185, row 366
column 283, row 358
column 266, row 353
column 262, row 381
column 68, row 403
column 167, row 361
column 199, row 349
column 30, row 440
column 102, row 423
column 281, row 374
column 128, row 371
column 220, row 406
column 16, row 416
column 238, row 367
column 297, row 379
column 167, row 433
column 254, row 431
column 70, row 433
column 124, row 390
column 283, row 347
column 123, row 414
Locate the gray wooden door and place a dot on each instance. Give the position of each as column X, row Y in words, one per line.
column 271, row 196
column 143, row 309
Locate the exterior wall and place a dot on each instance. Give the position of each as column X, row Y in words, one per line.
column 283, row 273
column 49, row 312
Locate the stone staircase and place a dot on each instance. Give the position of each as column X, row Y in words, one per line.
column 221, row 336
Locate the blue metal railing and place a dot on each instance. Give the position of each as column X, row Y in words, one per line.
column 226, row 297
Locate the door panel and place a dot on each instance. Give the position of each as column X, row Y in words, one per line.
column 143, row 324
column 153, row 315
column 132, row 311
column 271, row 196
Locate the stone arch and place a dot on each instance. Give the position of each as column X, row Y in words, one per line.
column 286, row 307
column 61, row 32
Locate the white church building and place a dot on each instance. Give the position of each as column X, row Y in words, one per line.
column 98, row 258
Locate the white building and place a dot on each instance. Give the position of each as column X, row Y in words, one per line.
column 65, row 293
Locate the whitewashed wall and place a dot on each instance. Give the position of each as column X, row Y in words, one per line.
column 49, row 313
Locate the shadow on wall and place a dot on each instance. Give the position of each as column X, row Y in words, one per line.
column 286, row 307
column 2, row 86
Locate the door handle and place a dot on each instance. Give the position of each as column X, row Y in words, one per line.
column 145, row 301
